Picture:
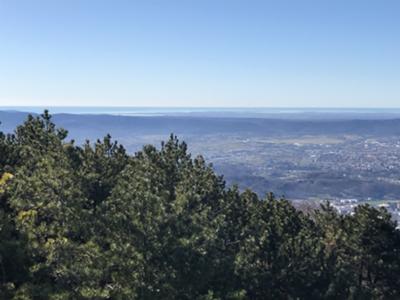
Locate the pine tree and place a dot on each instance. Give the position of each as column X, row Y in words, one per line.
column 92, row 222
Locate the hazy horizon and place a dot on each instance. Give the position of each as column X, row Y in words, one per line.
column 226, row 112
column 200, row 107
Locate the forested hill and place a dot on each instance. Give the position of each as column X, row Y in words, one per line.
column 92, row 222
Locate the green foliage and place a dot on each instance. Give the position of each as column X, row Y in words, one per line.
column 92, row 222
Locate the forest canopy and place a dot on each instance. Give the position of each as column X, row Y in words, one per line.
column 94, row 222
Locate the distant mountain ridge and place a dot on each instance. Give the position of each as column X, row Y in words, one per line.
column 92, row 126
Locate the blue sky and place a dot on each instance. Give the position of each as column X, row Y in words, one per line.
column 298, row 53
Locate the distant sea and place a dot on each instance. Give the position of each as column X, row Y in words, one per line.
column 253, row 112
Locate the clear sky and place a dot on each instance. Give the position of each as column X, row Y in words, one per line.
column 299, row 53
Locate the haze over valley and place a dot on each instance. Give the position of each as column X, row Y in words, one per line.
column 301, row 154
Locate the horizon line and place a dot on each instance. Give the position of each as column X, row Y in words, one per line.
column 199, row 107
